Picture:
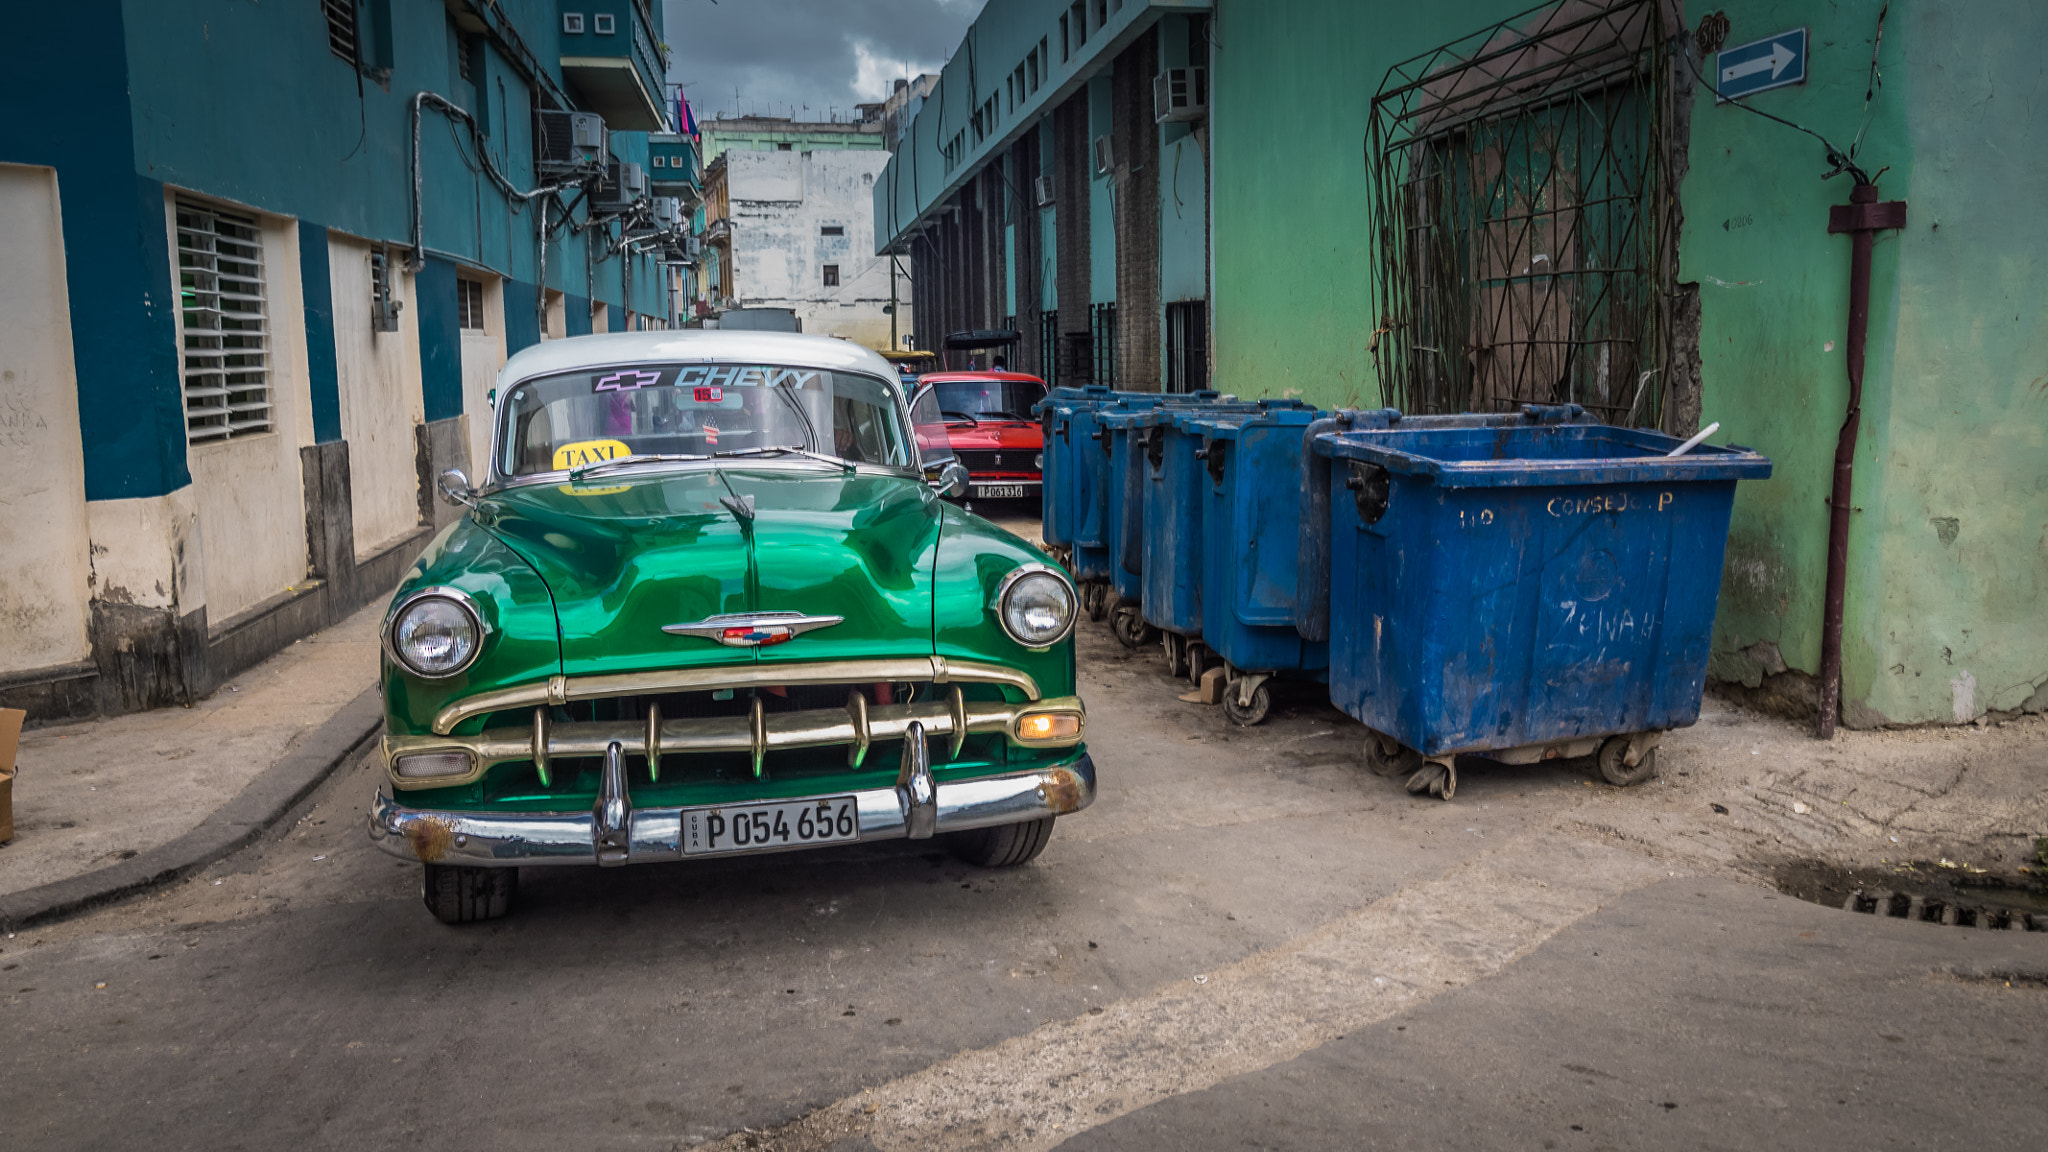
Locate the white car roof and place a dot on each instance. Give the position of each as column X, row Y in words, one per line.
column 693, row 345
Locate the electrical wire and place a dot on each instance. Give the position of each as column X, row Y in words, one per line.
column 1876, row 81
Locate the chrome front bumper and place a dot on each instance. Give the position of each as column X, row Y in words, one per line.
column 914, row 806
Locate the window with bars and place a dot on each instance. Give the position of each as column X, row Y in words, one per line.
column 831, row 275
column 222, row 324
column 1187, row 346
column 1518, row 180
column 469, row 303
column 1102, row 319
column 341, row 28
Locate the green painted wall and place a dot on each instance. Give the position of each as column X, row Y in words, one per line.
column 1946, row 591
column 1949, row 572
column 1290, row 97
column 1774, row 299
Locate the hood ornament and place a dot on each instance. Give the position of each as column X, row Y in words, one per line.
column 753, row 629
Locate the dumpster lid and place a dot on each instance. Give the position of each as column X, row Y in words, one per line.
column 1229, row 427
column 1524, row 456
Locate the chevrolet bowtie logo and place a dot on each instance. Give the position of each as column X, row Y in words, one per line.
column 753, row 629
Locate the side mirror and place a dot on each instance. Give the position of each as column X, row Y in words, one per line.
column 455, row 489
column 952, row 479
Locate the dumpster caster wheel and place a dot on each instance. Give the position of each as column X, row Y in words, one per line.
column 1400, row 761
column 1246, row 713
column 1131, row 629
column 1197, row 661
column 1176, row 646
column 457, row 895
column 1436, row 779
column 1614, row 767
column 1095, row 598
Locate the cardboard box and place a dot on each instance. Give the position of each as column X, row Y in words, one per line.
column 10, row 739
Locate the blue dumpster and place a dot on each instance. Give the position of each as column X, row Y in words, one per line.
column 1250, row 544
column 1122, row 514
column 1136, row 459
column 1060, row 511
column 1523, row 592
column 1312, row 602
column 1174, row 486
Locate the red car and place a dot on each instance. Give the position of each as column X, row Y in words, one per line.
column 989, row 423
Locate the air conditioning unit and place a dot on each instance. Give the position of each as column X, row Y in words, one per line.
column 668, row 211
column 567, row 142
column 1180, row 94
column 1105, row 155
column 622, row 185
column 1041, row 191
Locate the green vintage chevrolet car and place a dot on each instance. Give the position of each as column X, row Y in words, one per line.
column 707, row 602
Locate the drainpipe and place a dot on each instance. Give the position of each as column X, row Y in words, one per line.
column 1860, row 218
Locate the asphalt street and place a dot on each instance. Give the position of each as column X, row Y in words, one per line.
column 1248, row 941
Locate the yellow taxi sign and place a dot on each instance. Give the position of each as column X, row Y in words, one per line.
column 582, row 452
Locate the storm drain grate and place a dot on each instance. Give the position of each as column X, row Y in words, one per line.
column 1902, row 906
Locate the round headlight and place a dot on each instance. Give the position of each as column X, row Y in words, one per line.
column 1037, row 607
column 435, row 635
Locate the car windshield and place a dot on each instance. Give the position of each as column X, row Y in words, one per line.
column 989, row 399
column 577, row 419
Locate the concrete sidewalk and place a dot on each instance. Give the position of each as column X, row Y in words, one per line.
column 109, row 806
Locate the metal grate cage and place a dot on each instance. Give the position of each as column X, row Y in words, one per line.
column 1518, row 177
column 225, row 347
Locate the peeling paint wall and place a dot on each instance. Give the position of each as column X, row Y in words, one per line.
column 380, row 399
column 149, row 553
column 1947, row 604
column 780, row 205
column 43, row 571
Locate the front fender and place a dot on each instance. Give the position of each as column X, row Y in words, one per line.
column 973, row 557
column 522, row 641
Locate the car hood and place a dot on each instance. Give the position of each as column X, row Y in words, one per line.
column 623, row 556
column 990, row 435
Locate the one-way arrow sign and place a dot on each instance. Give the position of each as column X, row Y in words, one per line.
column 1769, row 63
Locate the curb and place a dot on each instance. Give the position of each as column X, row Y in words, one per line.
column 261, row 803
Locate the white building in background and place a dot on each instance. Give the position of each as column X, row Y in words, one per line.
column 789, row 223
column 803, row 238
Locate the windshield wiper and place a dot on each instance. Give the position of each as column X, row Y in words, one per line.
column 595, row 467
column 838, row 461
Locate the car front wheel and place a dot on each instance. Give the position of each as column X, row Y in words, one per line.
column 1003, row 846
column 457, row 895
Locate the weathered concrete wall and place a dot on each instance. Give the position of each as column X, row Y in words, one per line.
column 43, row 567
column 781, row 203
column 380, row 400
column 149, row 600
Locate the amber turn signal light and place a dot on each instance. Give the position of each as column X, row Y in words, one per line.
column 1048, row 726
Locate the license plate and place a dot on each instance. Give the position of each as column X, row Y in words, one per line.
column 999, row 491
column 743, row 826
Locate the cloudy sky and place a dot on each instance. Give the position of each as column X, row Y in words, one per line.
column 807, row 58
